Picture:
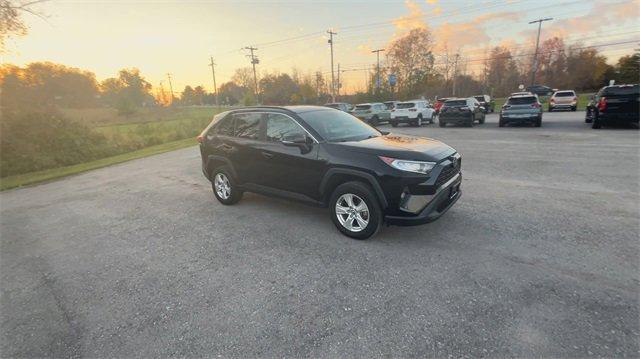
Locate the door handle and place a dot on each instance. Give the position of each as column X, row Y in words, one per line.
column 226, row 147
column 267, row 155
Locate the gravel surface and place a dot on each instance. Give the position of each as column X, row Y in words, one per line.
column 540, row 257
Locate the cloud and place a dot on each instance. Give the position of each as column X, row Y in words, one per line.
column 432, row 2
column 602, row 14
column 413, row 20
column 437, row 11
column 453, row 36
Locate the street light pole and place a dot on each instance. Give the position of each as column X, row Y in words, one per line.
column 378, row 69
column 535, row 56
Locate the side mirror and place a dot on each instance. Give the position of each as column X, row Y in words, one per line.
column 295, row 139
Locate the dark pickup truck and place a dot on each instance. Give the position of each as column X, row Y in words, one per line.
column 618, row 104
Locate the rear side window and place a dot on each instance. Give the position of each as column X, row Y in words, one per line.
column 621, row 91
column 363, row 107
column 225, row 127
column 522, row 100
column 248, row 125
column 565, row 94
column 455, row 103
column 405, row 105
column 479, row 98
column 279, row 126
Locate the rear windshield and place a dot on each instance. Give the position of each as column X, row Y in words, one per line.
column 565, row 94
column 522, row 100
column 479, row 98
column 621, row 90
column 406, row 105
column 455, row 103
column 363, row 107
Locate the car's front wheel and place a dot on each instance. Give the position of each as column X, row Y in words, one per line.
column 224, row 186
column 394, row 123
column 355, row 210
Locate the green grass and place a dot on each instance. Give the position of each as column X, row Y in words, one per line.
column 47, row 175
column 583, row 99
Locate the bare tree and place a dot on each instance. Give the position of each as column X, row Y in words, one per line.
column 11, row 21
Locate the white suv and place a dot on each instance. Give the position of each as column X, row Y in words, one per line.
column 412, row 112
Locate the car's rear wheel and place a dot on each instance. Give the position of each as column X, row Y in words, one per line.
column 419, row 120
column 394, row 123
column 538, row 122
column 470, row 121
column 481, row 121
column 550, row 108
column 574, row 108
column 596, row 124
column 224, row 186
column 374, row 121
column 442, row 123
column 355, row 210
column 500, row 122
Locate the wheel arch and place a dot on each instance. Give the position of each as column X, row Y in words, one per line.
column 214, row 161
column 337, row 176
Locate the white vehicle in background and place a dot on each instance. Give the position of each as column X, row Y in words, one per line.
column 414, row 112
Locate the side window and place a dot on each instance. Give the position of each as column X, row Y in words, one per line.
column 248, row 125
column 225, row 127
column 279, row 126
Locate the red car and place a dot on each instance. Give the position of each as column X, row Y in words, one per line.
column 439, row 103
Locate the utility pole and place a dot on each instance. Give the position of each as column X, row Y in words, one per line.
column 378, row 69
column 170, row 89
column 339, row 84
column 254, row 62
column 455, row 74
column 215, row 87
column 535, row 57
column 333, row 80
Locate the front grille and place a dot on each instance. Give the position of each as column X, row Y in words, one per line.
column 449, row 172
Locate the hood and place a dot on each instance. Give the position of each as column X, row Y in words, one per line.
column 402, row 146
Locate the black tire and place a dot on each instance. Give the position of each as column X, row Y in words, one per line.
column 442, row 123
column 470, row 122
column 500, row 122
column 431, row 121
column 364, row 192
column 550, row 108
column 394, row 123
column 588, row 117
column 235, row 194
column 481, row 121
column 574, row 108
column 538, row 122
column 596, row 124
column 374, row 121
column 419, row 120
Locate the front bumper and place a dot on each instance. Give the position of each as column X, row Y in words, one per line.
column 438, row 204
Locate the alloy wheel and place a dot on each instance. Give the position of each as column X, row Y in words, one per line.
column 222, row 186
column 352, row 212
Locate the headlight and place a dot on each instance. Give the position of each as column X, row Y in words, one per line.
column 409, row 166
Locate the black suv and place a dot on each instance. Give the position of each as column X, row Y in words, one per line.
column 616, row 104
column 330, row 158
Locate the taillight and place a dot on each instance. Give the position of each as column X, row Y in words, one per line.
column 552, row 100
column 200, row 138
column 535, row 105
column 412, row 110
column 504, row 107
column 602, row 104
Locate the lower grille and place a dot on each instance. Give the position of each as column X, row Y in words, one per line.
column 449, row 172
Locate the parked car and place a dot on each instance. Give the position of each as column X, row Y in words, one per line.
column 372, row 113
column 412, row 112
column 540, row 90
column 391, row 104
column 487, row 102
column 618, row 104
column 439, row 103
column 461, row 111
column 327, row 157
column 521, row 109
column 342, row 106
column 566, row 99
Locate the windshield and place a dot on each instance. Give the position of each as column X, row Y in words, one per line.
column 565, row 94
column 363, row 107
column 455, row 103
column 522, row 100
column 338, row 126
column 405, row 105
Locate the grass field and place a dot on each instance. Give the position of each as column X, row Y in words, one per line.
column 148, row 131
column 47, row 175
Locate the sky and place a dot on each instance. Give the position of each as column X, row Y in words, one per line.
column 179, row 37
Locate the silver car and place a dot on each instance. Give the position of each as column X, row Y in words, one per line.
column 521, row 109
column 566, row 99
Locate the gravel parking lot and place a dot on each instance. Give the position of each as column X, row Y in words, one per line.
column 539, row 257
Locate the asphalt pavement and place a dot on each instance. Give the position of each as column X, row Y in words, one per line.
column 539, row 257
